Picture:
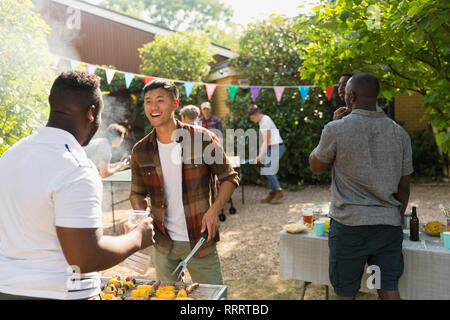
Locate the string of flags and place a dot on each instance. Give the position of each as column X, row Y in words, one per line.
column 189, row 85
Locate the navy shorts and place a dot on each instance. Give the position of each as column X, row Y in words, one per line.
column 351, row 247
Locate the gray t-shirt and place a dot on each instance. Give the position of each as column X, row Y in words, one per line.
column 369, row 153
column 99, row 150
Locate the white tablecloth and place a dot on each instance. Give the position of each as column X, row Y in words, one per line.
column 426, row 276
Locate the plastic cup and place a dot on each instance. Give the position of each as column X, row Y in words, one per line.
column 327, row 223
column 319, row 228
column 442, row 229
column 136, row 216
column 446, row 239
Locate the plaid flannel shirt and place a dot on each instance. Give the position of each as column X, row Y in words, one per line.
column 198, row 182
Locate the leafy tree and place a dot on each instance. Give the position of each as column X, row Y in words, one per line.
column 25, row 71
column 175, row 14
column 405, row 43
column 181, row 55
column 268, row 56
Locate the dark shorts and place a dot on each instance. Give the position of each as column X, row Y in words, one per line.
column 351, row 247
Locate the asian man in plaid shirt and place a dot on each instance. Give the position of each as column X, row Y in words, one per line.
column 176, row 165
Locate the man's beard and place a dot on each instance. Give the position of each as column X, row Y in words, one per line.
column 93, row 131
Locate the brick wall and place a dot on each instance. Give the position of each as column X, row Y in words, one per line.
column 221, row 96
column 409, row 109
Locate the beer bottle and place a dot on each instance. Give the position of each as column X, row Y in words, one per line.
column 414, row 226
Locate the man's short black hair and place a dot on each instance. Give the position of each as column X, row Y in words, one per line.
column 366, row 83
column 168, row 85
column 253, row 109
column 347, row 75
column 75, row 88
column 115, row 130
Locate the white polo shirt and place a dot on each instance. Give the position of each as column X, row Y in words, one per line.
column 46, row 180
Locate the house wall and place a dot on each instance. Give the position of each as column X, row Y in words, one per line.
column 98, row 40
column 220, row 108
column 409, row 109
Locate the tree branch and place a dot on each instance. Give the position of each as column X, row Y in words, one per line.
column 400, row 75
column 435, row 52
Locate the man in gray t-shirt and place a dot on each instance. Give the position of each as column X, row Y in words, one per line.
column 371, row 163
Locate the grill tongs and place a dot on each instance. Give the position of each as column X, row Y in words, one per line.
column 183, row 263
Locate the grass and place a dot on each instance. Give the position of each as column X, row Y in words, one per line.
column 276, row 288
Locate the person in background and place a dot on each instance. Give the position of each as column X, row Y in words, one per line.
column 272, row 148
column 100, row 151
column 180, row 186
column 52, row 243
column 346, row 110
column 209, row 121
column 342, row 83
column 190, row 115
column 371, row 162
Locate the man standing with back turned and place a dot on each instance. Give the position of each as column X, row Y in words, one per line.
column 371, row 163
column 51, row 235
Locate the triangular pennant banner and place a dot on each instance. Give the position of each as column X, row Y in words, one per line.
column 188, row 86
column 128, row 78
column 91, row 68
column 304, row 91
column 254, row 91
column 56, row 60
column 110, row 75
column 148, row 79
column 74, row 64
column 210, row 88
column 329, row 92
column 232, row 91
column 278, row 92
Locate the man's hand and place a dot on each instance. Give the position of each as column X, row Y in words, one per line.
column 145, row 228
column 211, row 222
column 341, row 112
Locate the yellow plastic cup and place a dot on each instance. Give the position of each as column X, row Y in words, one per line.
column 327, row 223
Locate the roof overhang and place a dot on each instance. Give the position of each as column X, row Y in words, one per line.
column 132, row 22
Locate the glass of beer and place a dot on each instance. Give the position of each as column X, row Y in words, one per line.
column 308, row 219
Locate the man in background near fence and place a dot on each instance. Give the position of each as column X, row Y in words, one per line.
column 371, row 161
column 190, row 115
column 100, row 151
column 209, row 121
column 271, row 151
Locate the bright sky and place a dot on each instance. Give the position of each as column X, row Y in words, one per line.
column 246, row 11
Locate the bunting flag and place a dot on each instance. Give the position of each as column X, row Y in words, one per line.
column 110, row 75
column 74, row 64
column 304, row 91
column 254, row 91
column 232, row 91
column 329, row 92
column 56, row 60
column 210, row 88
column 128, row 79
column 91, row 68
column 148, row 79
column 188, row 86
column 278, row 92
